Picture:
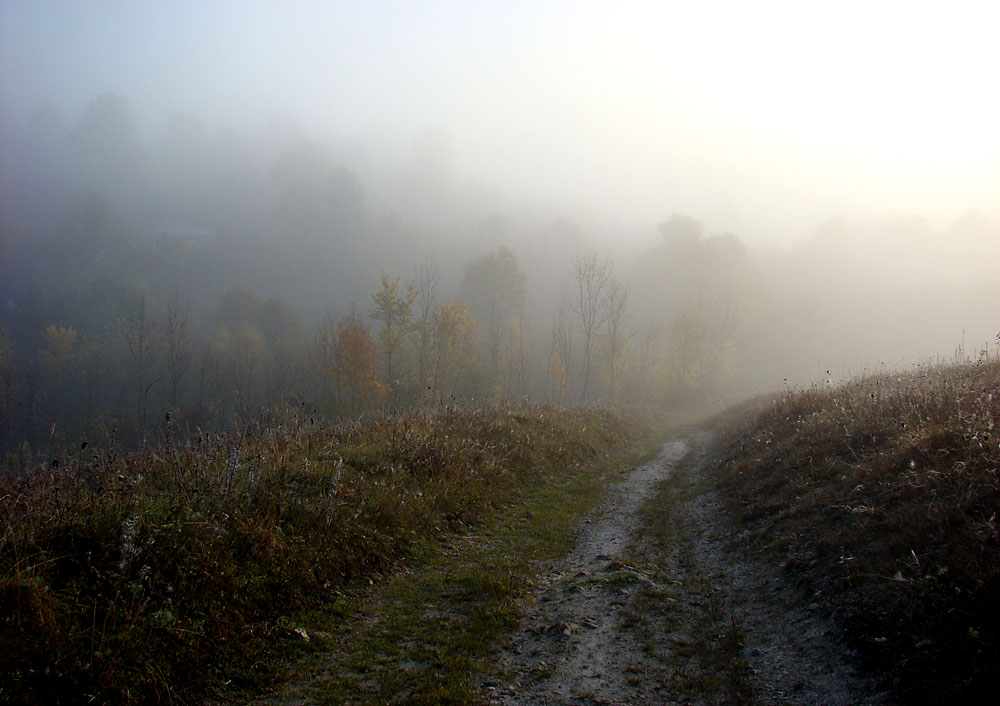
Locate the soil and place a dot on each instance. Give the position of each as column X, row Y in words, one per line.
column 657, row 603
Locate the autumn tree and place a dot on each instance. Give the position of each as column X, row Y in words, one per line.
column 453, row 325
column 731, row 288
column 393, row 307
column 355, row 358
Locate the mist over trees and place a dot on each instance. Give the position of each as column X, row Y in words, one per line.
column 157, row 285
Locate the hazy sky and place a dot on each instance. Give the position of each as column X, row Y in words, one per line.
column 763, row 117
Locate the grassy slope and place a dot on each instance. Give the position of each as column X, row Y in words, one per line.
column 429, row 633
column 881, row 498
column 154, row 576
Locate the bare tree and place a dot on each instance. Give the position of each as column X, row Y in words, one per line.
column 618, row 330
column 587, row 297
column 325, row 357
column 562, row 355
column 517, row 362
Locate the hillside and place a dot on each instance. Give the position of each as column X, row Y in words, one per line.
column 879, row 498
column 828, row 545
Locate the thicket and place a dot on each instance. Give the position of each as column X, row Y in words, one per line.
column 881, row 497
column 151, row 576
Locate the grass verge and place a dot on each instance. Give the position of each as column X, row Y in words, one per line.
column 880, row 498
column 161, row 575
column 427, row 634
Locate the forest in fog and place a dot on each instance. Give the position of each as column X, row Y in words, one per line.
column 216, row 212
column 202, row 276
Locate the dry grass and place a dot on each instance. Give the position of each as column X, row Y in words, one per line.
column 152, row 577
column 881, row 498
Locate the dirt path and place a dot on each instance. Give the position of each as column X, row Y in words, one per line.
column 574, row 648
column 657, row 604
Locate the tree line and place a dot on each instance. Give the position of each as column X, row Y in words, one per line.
column 183, row 284
column 150, row 369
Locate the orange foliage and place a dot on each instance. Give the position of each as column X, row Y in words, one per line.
column 353, row 362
